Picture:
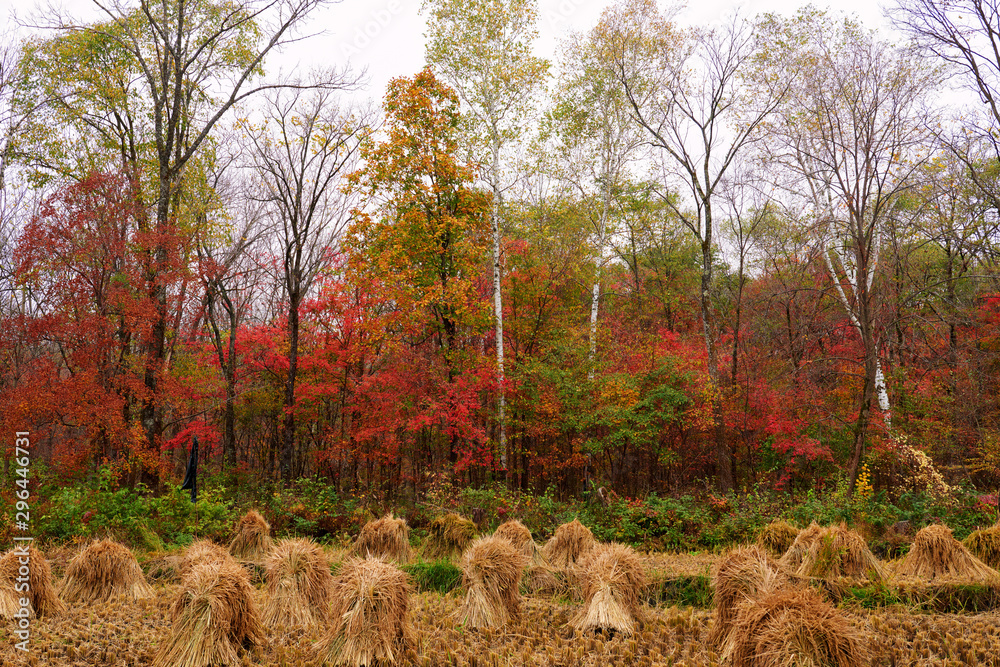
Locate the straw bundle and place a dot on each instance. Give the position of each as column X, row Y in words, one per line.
column 792, row 627
column 370, row 615
column 614, row 579
column 539, row 577
column 936, row 553
column 449, row 536
column 840, row 552
column 252, row 541
column 491, row 572
column 792, row 558
column 777, row 537
column 104, row 570
column 213, row 615
column 41, row 594
column 204, row 551
column 744, row 574
column 298, row 584
column 568, row 544
column 387, row 537
column 985, row 545
column 517, row 534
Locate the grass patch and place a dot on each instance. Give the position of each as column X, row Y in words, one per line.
column 439, row 575
column 871, row 596
column 684, row 590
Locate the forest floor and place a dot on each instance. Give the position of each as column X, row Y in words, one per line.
column 129, row 634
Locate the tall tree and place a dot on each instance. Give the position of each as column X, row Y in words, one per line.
column 597, row 139
column 691, row 94
column 482, row 49
column 173, row 70
column 854, row 131
column 303, row 152
column 422, row 233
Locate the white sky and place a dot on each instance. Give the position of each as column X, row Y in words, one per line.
column 386, row 36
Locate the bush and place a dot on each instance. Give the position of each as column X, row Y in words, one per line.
column 131, row 515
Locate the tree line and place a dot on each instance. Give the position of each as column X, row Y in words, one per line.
column 761, row 252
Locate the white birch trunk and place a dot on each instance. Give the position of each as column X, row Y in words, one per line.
column 498, row 305
column 596, row 294
column 880, row 388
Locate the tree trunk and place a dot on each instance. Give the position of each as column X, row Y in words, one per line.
column 723, row 457
column 288, row 443
column 504, row 446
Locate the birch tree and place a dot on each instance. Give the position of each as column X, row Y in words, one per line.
column 482, row 49
column 597, row 140
column 853, row 131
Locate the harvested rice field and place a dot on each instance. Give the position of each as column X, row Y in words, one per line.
column 127, row 632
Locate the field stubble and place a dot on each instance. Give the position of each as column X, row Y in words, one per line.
column 128, row 633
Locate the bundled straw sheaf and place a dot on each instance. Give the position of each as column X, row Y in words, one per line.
column 985, row 545
column 252, row 541
column 204, row 551
column 213, row 615
column 539, row 576
column 614, row 577
column 517, row 534
column 937, row 554
column 792, row 627
column 104, row 570
column 744, row 574
column 370, row 623
column 299, row 584
column 449, row 536
column 791, row 560
column 491, row 575
column 387, row 537
column 840, row 552
column 32, row 566
column 777, row 537
column 568, row 544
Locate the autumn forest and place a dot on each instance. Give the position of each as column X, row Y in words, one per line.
column 763, row 253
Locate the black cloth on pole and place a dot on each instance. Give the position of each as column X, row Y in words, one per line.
column 191, row 477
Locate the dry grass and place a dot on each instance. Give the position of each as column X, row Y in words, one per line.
column 568, row 544
column 387, row 537
column 491, row 575
column 937, row 554
column 614, row 579
column 41, row 594
column 985, row 545
column 792, row 627
column 839, row 552
column 299, row 584
column 449, row 537
column 252, row 541
column 777, row 537
column 744, row 574
column 104, row 570
column 212, row 617
column 370, row 615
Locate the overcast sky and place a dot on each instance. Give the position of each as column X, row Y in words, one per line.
column 386, row 36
